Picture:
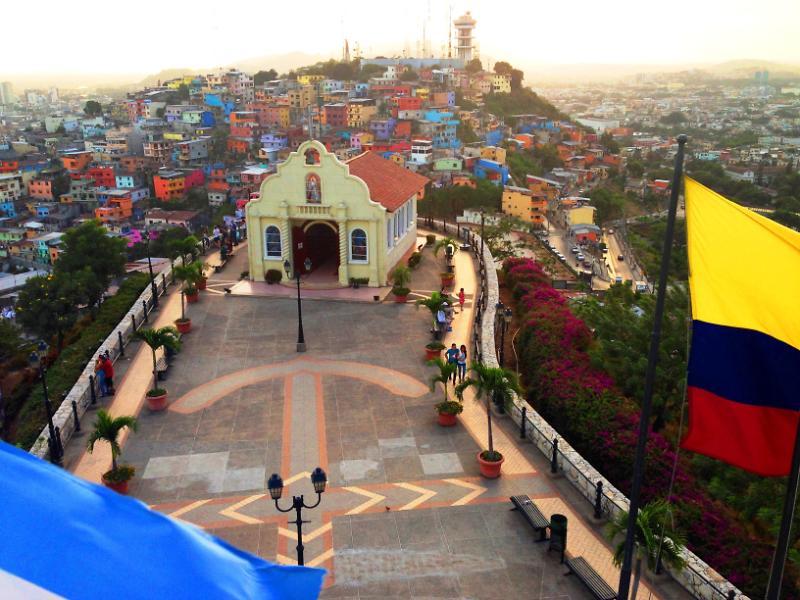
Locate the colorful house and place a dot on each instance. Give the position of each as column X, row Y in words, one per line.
column 524, row 204
column 76, row 161
column 491, row 171
column 355, row 219
column 169, row 185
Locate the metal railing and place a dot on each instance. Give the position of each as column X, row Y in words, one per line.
column 84, row 394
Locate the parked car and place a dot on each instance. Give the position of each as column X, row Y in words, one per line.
column 618, row 279
column 575, row 250
column 580, row 256
column 620, row 257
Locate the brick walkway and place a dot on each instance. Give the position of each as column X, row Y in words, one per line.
column 406, row 513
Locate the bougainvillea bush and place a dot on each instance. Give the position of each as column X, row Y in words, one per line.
column 584, row 405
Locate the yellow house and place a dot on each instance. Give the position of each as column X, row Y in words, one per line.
column 353, row 219
column 307, row 79
column 302, row 97
column 360, row 112
column 580, row 215
column 422, row 92
column 495, row 153
column 501, row 84
column 524, row 204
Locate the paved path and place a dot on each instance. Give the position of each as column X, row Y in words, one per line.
column 406, row 514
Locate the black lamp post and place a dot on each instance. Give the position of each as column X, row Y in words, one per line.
column 275, row 484
column 36, row 359
column 505, row 320
column 301, row 340
column 150, row 268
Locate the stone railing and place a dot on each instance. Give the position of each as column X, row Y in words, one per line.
column 698, row 578
column 84, row 393
column 311, row 210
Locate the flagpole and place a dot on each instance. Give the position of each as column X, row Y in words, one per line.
column 789, row 502
column 652, row 360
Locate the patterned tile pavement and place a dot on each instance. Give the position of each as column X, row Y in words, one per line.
column 406, row 513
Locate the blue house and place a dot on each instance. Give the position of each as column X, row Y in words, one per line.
column 491, row 170
column 494, row 137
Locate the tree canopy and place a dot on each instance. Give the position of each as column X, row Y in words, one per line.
column 262, row 77
column 474, row 66
column 92, row 108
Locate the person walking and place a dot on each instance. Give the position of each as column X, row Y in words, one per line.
column 452, row 359
column 448, row 312
column 461, row 298
column 461, row 362
column 100, row 376
column 108, row 369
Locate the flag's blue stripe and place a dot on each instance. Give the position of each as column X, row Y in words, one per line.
column 745, row 366
column 80, row 540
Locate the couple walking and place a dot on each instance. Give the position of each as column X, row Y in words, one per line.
column 104, row 372
column 457, row 356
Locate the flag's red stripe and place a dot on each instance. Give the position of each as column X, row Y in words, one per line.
column 756, row 438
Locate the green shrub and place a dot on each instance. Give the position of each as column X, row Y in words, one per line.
column 430, row 239
column 69, row 365
column 414, row 260
column 273, row 276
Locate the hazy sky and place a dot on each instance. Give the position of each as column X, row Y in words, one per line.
column 144, row 36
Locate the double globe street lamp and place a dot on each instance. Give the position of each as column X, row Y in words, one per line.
column 275, row 485
column 287, row 266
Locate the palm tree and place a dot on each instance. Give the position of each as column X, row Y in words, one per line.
column 434, row 303
column 400, row 275
column 491, row 383
column 166, row 337
column 190, row 274
column 443, row 243
column 446, row 370
column 107, row 429
column 655, row 539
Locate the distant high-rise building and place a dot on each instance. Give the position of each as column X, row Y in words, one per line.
column 464, row 43
column 762, row 77
column 53, row 93
column 6, row 93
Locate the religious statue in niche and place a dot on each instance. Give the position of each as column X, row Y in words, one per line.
column 313, row 191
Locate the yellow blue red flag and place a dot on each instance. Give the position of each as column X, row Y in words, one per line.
column 744, row 364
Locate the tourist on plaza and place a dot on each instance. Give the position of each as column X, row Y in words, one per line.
column 462, row 363
column 108, row 369
column 448, row 313
column 100, row 376
column 461, row 298
column 452, row 358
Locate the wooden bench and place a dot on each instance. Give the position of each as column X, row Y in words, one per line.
column 589, row 577
column 532, row 515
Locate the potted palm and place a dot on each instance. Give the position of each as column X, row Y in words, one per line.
column 167, row 338
column 401, row 276
column 447, row 409
column 107, row 429
column 190, row 274
column 434, row 304
column 202, row 282
column 433, row 350
column 656, row 541
column 490, row 383
column 450, row 247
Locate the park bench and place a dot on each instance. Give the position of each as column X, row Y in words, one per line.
column 163, row 359
column 532, row 515
column 589, row 577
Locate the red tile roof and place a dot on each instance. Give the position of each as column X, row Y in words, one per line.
column 388, row 183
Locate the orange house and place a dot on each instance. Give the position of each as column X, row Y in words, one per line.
column 526, row 140
column 116, row 209
column 402, row 129
column 76, row 161
column 464, row 180
column 41, row 189
column 169, row 185
column 238, row 145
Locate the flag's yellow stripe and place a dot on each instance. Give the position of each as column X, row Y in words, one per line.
column 744, row 269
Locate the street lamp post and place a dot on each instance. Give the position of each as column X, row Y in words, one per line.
column 505, row 317
column 275, row 484
column 150, row 268
column 301, row 340
column 36, row 359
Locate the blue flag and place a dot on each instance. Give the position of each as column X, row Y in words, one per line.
column 62, row 536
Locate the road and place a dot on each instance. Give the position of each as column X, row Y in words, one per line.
column 617, row 268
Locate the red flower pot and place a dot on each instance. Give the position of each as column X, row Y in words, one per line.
column 400, row 299
column 192, row 298
column 201, row 285
column 447, row 280
column 490, row 468
column 157, row 403
column 121, row 487
column 432, row 354
column 447, row 420
column 184, row 326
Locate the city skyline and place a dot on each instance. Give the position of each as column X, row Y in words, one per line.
column 623, row 36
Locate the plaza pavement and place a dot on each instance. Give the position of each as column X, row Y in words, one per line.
column 406, row 513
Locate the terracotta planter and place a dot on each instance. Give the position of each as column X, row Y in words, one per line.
column 490, row 469
column 447, row 420
column 401, row 299
column 157, row 403
column 184, row 326
column 192, row 298
column 201, row 285
column 447, row 280
column 432, row 354
column 121, row 487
